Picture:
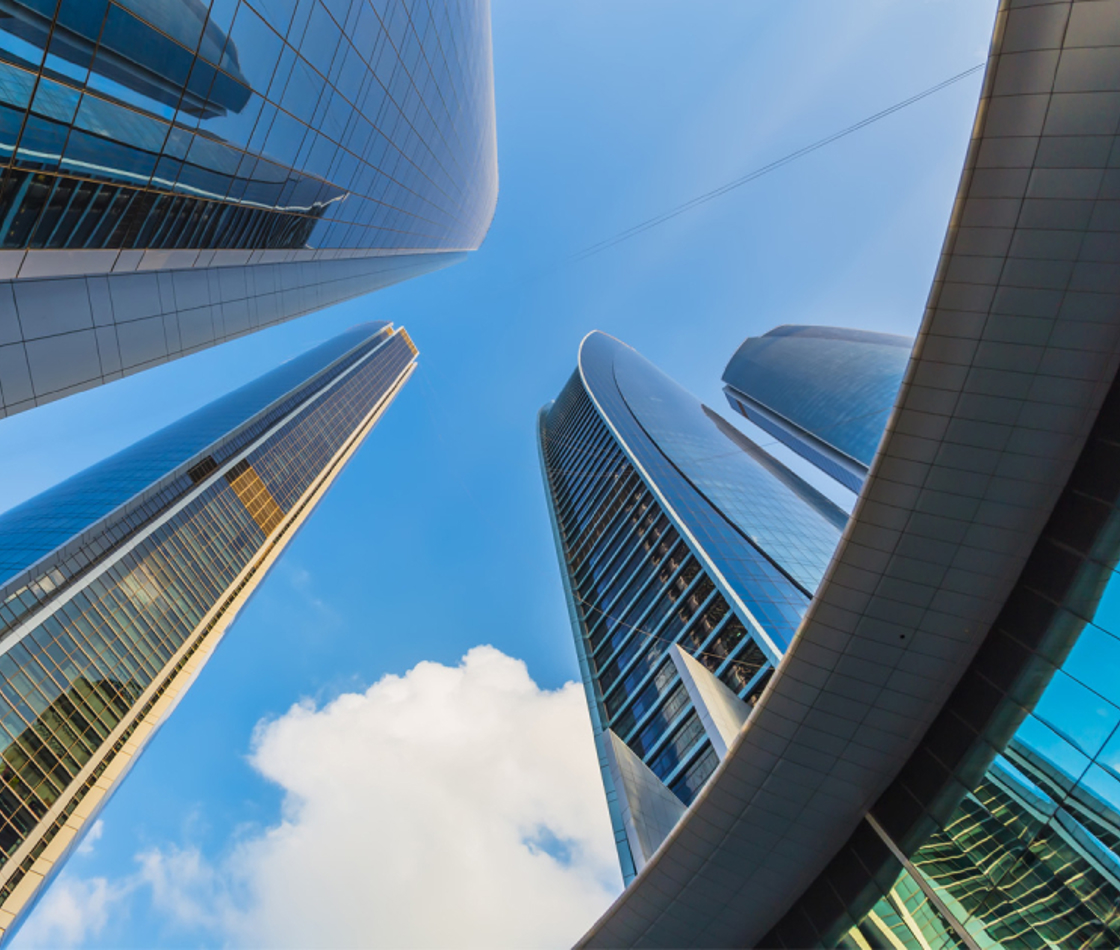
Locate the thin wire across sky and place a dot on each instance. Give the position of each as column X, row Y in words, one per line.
column 644, row 226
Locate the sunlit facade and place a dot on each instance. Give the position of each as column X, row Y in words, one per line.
column 181, row 172
column 117, row 584
column 688, row 555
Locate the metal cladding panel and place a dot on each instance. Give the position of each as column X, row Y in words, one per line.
column 649, row 809
column 1018, row 348
column 66, row 335
column 720, row 710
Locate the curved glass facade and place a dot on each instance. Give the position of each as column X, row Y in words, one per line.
column 263, row 125
column 826, row 392
column 177, row 173
column 98, row 641
column 658, row 550
column 1006, row 820
column 783, row 517
column 44, row 523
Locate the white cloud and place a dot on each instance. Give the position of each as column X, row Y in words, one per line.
column 91, row 837
column 449, row 807
column 71, row 911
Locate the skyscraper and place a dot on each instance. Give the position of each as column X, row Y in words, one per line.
column 116, row 585
column 826, row 392
column 181, row 172
column 689, row 556
column 936, row 761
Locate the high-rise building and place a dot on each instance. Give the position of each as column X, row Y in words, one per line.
column 826, row 392
column 116, row 585
column 177, row 173
column 935, row 762
column 689, row 556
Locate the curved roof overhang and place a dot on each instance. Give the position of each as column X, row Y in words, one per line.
column 1017, row 350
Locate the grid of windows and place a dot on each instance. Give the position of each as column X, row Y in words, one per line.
column 639, row 588
column 792, row 523
column 74, row 679
column 248, row 124
column 105, row 504
column 1031, row 856
column 672, row 529
column 764, row 580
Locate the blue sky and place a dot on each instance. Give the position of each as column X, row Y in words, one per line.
column 435, row 539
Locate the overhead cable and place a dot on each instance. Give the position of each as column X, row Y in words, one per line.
column 637, row 229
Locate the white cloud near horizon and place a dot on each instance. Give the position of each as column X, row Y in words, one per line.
column 448, row 807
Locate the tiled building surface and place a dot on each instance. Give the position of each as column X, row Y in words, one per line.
column 61, row 336
column 1017, row 352
column 116, row 584
column 347, row 143
column 1005, row 821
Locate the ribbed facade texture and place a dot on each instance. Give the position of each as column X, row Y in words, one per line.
column 116, row 585
column 826, row 392
column 646, row 539
column 180, row 172
column 1008, row 815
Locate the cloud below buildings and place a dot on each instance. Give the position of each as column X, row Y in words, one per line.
column 448, row 807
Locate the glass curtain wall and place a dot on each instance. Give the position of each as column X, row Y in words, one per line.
column 232, row 124
column 660, row 549
column 98, row 630
column 639, row 589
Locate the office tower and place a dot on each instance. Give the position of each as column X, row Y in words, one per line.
column 689, row 556
column 177, row 173
column 936, row 760
column 826, row 392
column 117, row 584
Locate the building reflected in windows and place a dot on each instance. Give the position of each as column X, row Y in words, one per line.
column 117, row 584
column 266, row 161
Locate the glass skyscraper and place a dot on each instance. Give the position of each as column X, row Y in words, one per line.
column 689, row 556
column 117, row 584
column 826, row 392
column 181, row 172
column 935, row 762
column 1002, row 830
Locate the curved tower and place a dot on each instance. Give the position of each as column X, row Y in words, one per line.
column 826, row 392
column 936, row 760
column 178, row 172
column 689, row 556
